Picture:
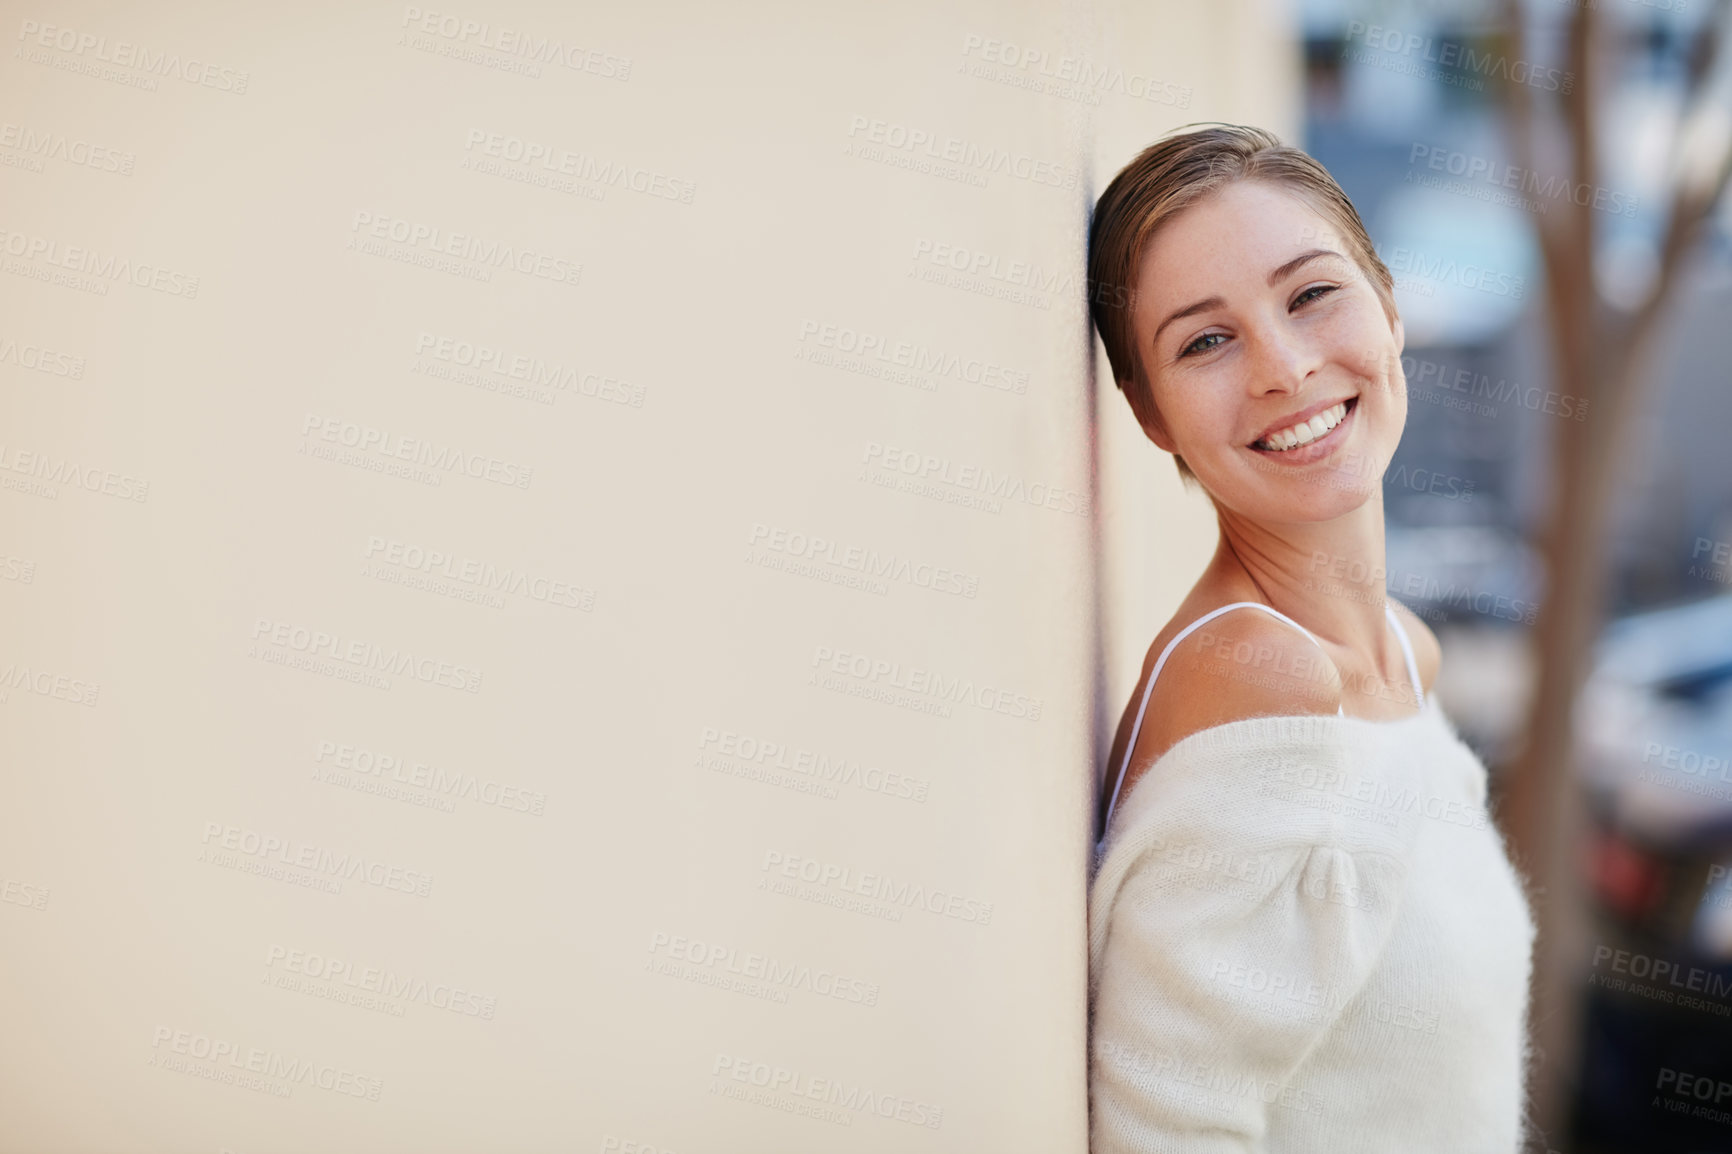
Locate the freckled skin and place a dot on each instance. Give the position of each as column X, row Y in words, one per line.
column 1265, row 357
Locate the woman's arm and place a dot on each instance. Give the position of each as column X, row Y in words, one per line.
column 1222, row 968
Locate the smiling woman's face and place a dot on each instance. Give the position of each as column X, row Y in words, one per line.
column 1275, row 371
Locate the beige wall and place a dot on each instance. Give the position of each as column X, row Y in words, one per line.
column 310, row 840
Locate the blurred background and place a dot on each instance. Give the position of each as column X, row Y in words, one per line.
column 1544, row 181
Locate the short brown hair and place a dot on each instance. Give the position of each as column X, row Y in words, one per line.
column 1172, row 174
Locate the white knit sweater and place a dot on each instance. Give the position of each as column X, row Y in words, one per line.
column 1305, row 935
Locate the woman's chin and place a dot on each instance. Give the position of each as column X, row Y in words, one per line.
column 1309, row 496
column 1321, row 488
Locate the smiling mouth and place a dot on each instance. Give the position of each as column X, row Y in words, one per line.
column 1306, row 432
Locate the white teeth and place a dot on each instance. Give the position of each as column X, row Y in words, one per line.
column 1306, row 431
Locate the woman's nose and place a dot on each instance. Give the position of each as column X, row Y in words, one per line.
column 1281, row 361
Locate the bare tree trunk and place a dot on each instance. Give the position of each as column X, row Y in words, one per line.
column 1606, row 360
column 1540, row 809
column 1543, row 816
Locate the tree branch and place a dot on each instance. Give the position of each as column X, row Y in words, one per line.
column 1690, row 204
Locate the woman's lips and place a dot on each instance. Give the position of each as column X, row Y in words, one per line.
column 1314, row 450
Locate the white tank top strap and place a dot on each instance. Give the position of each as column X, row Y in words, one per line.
column 1143, row 705
column 1407, row 652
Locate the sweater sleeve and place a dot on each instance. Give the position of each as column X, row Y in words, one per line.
column 1223, row 963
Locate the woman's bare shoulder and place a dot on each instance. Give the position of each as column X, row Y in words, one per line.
column 1241, row 665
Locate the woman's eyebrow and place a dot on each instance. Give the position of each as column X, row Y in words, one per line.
column 1201, row 306
column 1292, row 265
column 1274, row 278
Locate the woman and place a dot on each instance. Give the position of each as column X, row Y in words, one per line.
column 1305, row 934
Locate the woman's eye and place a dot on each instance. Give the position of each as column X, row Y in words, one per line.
column 1312, row 293
column 1197, row 346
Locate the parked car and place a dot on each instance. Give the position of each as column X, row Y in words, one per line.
column 1654, row 723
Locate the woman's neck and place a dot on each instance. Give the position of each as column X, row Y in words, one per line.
column 1327, row 575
